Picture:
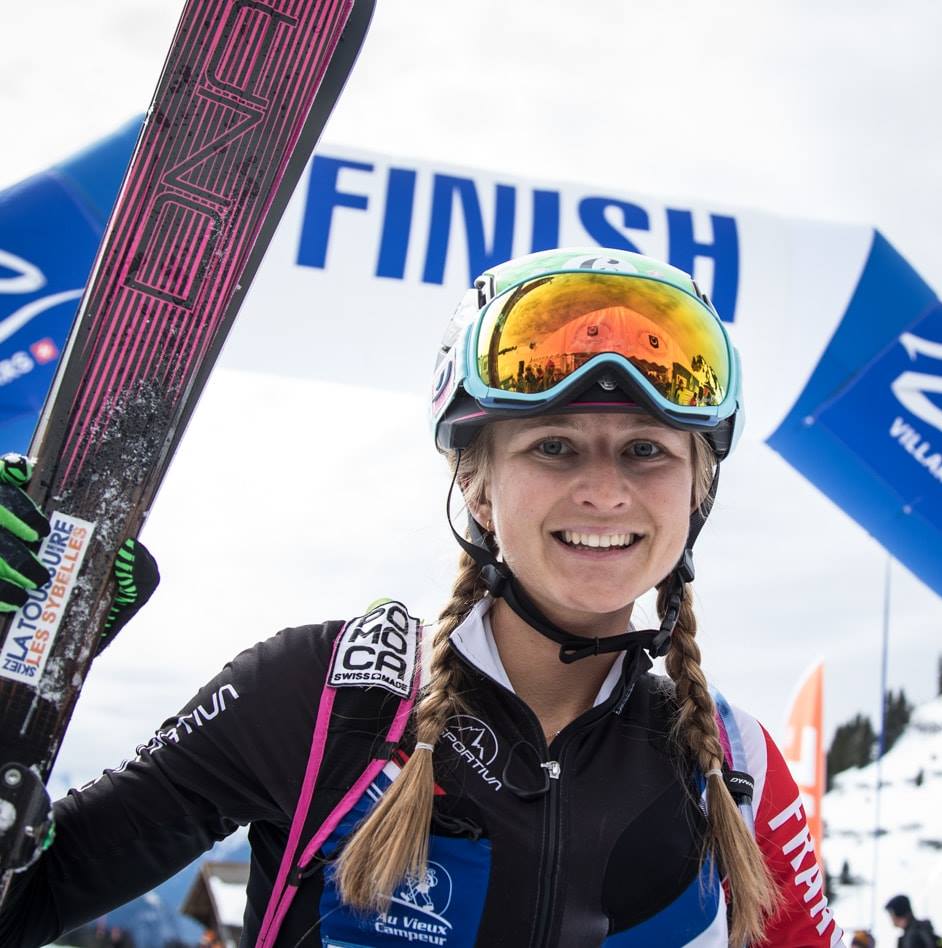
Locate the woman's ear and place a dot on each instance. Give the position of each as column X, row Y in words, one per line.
column 475, row 493
column 481, row 511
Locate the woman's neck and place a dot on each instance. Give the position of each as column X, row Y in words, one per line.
column 556, row 692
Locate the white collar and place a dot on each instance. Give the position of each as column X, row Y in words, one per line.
column 475, row 640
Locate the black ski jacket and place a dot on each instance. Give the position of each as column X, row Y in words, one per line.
column 919, row 933
column 593, row 840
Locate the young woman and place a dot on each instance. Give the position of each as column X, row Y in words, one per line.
column 545, row 788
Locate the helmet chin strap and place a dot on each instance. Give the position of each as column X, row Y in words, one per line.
column 501, row 582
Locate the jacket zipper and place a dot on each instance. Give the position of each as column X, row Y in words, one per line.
column 553, row 768
column 548, row 872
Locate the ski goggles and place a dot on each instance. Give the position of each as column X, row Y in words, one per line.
column 539, row 338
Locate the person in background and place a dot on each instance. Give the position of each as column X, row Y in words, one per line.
column 917, row 933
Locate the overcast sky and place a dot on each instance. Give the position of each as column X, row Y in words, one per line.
column 824, row 110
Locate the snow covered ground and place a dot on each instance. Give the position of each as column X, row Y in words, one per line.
column 910, row 846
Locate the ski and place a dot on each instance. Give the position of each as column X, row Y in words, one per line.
column 243, row 96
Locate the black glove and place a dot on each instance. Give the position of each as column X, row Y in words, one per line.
column 22, row 526
column 34, row 829
column 137, row 576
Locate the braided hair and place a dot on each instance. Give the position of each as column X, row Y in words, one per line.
column 392, row 842
column 753, row 894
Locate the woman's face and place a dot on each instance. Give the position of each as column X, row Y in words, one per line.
column 590, row 510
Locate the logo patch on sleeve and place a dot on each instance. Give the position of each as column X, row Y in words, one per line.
column 377, row 649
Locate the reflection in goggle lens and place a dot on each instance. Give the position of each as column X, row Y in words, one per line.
column 545, row 330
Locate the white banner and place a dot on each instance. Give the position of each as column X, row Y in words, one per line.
column 374, row 253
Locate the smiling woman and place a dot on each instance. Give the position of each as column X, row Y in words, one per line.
column 584, row 399
column 514, row 774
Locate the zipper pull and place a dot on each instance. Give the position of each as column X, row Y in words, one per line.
column 552, row 768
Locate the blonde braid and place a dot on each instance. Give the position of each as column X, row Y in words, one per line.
column 392, row 842
column 753, row 895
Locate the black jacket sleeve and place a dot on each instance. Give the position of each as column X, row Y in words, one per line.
column 919, row 934
column 235, row 754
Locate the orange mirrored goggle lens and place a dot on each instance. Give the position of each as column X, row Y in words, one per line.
column 545, row 330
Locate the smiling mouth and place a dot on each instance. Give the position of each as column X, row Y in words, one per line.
column 596, row 541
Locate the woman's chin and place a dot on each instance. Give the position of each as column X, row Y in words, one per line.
column 593, row 616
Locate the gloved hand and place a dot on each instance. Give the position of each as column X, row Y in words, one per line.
column 137, row 576
column 23, row 525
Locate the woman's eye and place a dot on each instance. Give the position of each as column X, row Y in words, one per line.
column 552, row 447
column 644, row 449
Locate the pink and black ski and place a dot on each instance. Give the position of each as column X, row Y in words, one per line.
column 244, row 94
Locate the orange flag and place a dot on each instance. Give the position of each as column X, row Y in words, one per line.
column 804, row 747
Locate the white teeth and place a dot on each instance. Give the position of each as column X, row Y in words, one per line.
column 603, row 541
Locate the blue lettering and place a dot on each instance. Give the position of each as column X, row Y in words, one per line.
column 42, row 593
column 545, row 234
column 397, row 222
column 23, row 642
column 51, row 558
column 607, row 222
column 592, row 214
column 723, row 250
column 444, row 189
column 322, row 197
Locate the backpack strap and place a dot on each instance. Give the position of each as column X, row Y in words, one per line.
column 380, row 649
column 736, row 769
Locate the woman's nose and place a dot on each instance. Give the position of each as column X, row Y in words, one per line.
column 602, row 484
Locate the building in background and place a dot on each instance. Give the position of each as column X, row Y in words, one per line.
column 217, row 900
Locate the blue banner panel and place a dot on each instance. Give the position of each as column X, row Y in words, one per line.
column 50, row 228
column 867, row 429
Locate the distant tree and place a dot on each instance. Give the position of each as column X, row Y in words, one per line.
column 852, row 746
column 846, row 877
column 855, row 742
column 896, row 711
column 938, row 681
column 920, row 777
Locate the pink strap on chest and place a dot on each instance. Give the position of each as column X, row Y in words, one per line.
column 284, row 891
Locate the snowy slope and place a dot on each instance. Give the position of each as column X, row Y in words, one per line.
column 910, row 848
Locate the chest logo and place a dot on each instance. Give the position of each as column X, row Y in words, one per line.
column 377, row 649
column 475, row 743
